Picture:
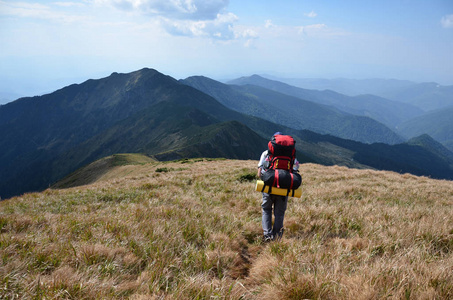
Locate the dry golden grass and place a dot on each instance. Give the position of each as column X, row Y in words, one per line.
column 192, row 230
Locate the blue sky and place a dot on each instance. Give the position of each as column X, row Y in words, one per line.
column 45, row 45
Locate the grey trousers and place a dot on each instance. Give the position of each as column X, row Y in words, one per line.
column 279, row 204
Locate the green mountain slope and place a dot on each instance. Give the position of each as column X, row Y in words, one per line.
column 103, row 167
column 388, row 112
column 432, row 145
column 167, row 132
column 38, row 128
column 294, row 112
column 438, row 124
column 410, row 157
column 37, row 134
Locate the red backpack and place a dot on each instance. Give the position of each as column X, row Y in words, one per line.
column 282, row 153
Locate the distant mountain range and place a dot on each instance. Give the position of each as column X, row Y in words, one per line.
column 293, row 111
column 408, row 115
column 44, row 138
column 427, row 96
column 388, row 112
column 346, row 86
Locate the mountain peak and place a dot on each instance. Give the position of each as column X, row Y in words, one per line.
column 427, row 142
column 422, row 139
column 259, row 81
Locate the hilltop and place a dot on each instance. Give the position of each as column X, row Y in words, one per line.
column 191, row 229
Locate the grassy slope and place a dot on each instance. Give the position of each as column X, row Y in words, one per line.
column 192, row 229
column 102, row 169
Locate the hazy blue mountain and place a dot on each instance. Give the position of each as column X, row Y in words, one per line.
column 428, row 96
column 388, row 112
column 294, row 112
column 350, row 87
column 408, row 121
column 438, row 124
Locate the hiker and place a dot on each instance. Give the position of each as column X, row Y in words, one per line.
column 278, row 203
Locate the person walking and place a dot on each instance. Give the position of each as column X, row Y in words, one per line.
column 271, row 202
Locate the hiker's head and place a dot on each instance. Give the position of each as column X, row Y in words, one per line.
column 277, row 133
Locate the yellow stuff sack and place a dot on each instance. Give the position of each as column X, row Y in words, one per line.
column 261, row 187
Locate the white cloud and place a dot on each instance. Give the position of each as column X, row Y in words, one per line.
column 172, row 9
column 69, row 4
column 269, row 24
column 22, row 9
column 311, row 14
column 312, row 29
column 247, row 33
column 184, row 28
column 38, row 11
column 321, row 31
column 191, row 18
column 447, row 21
column 220, row 28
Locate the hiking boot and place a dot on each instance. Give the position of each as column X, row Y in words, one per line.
column 268, row 238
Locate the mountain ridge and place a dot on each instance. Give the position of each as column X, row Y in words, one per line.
column 426, row 95
column 388, row 112
column 294, row 112
column 32, row 142
column 438, row 124
column 44, row 138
